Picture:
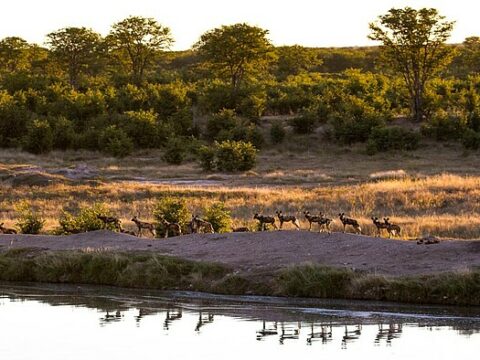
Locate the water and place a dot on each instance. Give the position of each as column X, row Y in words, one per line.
column 69, row 322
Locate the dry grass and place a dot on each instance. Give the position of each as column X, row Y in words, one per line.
column 443, row 205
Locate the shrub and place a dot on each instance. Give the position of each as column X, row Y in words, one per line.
column 305, row 123
column 224, row 120
column 172, row 210
column 392, row 138
column 277, row 133
column 141, row 127
column 349, row 130
column 63, row 133
column 471, row 139
column 86, row 220
column 206, row 156
column 235, row 156
column 115, row 142
column 28, row 221
column 445, row 126
column 175, row 151
column 39, row 137
column 219, row 217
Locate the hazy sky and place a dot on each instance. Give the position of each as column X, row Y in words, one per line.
column 304, row 22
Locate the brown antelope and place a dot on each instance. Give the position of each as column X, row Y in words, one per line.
column 110, row 220
column 198, row 224
column 264, row 220
column 393, row 229
column 379, row 225
column 348, row 221
column 170, row 226
column 5, row 230
column 287, row 218
column 143, row 225
column 313, row 219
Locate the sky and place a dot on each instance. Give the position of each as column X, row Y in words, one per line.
column 315, row 23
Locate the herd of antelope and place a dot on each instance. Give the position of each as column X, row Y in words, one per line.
column 198, row 225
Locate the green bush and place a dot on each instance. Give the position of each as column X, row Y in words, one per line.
column 219, row 217
column 471, row 139
column 392, row 138
column 63, row 133
column 173, row 210
column 277, row 133
column 349, row 130
column 305, row 123
column 206, row 156
column 223, row 121
column 39, row 137
column 141, row 127
column 29, row 222
column 445, row 126
column 235, row 156
column 175, row 151
column 86, row 220
column 115, row 142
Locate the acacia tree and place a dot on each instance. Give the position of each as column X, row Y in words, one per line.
column 293, row 60
column 77, row 49
column 235, row 51
column 136, row 41
column 414, row 46
column 14, row 54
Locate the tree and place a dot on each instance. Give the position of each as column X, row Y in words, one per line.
column 75, row 48
column 469, row 56
column 235, row 51
column 137, row 40
column 14, row 54
column 293, row 60
column 414, row 46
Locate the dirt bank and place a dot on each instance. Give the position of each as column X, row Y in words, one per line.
column 268, row 251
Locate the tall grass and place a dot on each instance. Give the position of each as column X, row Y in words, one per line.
column 147, row 270
column 443, row 205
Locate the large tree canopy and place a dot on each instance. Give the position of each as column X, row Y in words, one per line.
column 77, row 49
column 13, row 54
column 414, row 46
column 236, row 51
column 136, row 40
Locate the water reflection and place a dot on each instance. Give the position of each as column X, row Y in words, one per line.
column 268, row 322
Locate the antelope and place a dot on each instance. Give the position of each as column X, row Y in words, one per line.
column 5, row 230
column 379, row 225
column 110, row 220
column 264, row 220
column 170, row 226
column 197, row 223
column 143, row 225
column 313, row 219
column 348, row 221
column 393, row 229
column 287, row 218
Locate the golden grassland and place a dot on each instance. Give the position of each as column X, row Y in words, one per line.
column 443, row 205
column 432, row 191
